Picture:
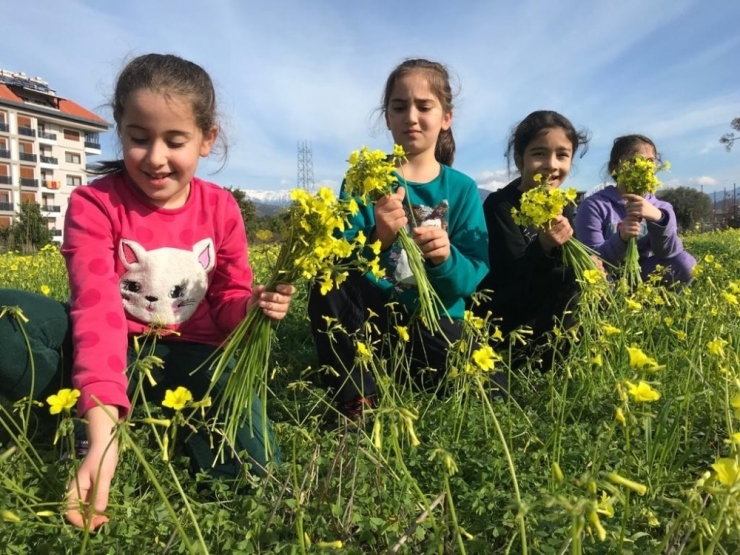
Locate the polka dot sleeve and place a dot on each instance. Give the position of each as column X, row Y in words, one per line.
column 98, row 322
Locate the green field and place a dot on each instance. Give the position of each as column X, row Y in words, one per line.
column 578, row 460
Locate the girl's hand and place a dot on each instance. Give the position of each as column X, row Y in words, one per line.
column 630, row 228
column 433, row 242
column 390, row 217
column 599, row 263
column 639, row 208
column 558, row 233
column 274, row 304
column 87, row 493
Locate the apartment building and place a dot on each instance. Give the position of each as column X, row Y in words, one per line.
column 45, row 142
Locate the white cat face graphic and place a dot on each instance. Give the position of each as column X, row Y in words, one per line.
column 164, row 286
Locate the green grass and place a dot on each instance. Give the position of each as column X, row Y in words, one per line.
column 376, row 492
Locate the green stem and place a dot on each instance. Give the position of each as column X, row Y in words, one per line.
column 510, row 461
column 453, row 514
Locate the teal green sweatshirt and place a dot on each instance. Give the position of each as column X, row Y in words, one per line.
column 451, row 201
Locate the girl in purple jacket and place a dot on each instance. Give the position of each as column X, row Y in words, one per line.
column 606, row 220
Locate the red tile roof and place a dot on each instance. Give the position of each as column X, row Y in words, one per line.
column 65, row 106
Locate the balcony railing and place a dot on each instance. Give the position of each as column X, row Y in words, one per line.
column 49, row 160
column 47, row 136
column 6, row 179
column 90, row 144
column 51, row 208
column 28, row 182
column 4, row 153
column 6, row 207
column 27, row 131
column 56, row 232
column 27, row 156
column 4, row 127
column 52, row 184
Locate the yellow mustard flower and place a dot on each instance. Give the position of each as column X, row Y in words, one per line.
column 717, row 347
column 485, row 357
column 642, row 392
column 403, row 333
column 46, row 290
column 727, row 471
column 735, row 402
column 639, row 360
column 177, row 399
column 593, row 276
column 363, row 351
column 611, row 330
column 63, row 400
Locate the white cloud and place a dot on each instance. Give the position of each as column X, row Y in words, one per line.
column 705, row 180
column 492, row 179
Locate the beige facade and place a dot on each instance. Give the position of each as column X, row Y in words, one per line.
column 45, row 145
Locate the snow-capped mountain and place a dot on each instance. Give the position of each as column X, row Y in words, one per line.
column 278, row 198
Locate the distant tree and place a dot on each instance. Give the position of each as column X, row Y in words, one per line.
column 691, row 206
column 247, row 208
column 728, row 139
column 29, row 231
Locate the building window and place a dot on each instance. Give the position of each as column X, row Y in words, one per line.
column 72, row 158
column 27, row 172
column 3, row 117
column 23, row 121
column 74, row 181
column 71, row 135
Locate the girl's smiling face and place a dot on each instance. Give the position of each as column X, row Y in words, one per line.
column 162, row 145
column 550, row 154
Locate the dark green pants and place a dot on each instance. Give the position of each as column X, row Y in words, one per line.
column 47, row 343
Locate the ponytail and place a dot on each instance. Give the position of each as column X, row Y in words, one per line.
column 107, row 167
column 444, row 151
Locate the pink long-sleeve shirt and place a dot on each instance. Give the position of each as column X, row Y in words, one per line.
column 132, row 265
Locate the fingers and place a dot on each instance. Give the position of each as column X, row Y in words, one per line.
column 275, row 304
column 79, row 501
column 433, row 242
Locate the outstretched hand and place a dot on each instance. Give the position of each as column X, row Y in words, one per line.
column 274, row 304
column 87, row 493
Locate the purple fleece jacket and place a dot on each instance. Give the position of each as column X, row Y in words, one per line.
column 599, row 218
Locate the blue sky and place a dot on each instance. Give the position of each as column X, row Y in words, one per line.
column 288, row 71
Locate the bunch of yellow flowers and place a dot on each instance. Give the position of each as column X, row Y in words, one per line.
column 542, row 204
column 370, row 174
column 637, row 175
column 313, row 248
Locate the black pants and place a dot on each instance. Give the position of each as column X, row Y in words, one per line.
column 349, row 306
column 540, row 303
